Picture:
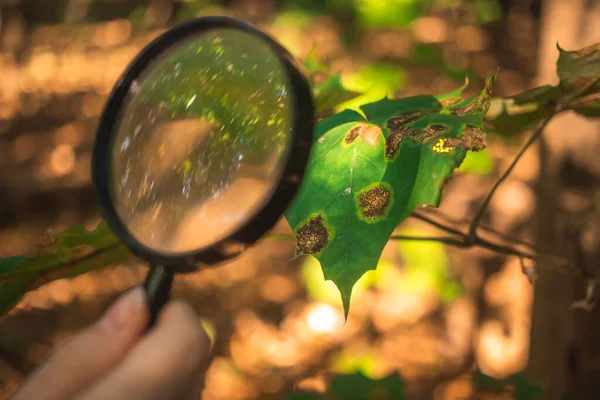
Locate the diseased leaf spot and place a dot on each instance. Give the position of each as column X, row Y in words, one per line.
column 474, row 138
column 442, row 146
column 367, row 132
column 400, row 123
column 420, row 135
column 392, row 144
column 437, row 128
column 352, row 135
column 312, row 237
column 465, row 110
column 450, row 101
column 374, row 202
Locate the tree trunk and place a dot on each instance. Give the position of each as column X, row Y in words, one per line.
column 562, row 340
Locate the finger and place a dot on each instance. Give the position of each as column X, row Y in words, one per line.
column 162, row 364
column 89, row 355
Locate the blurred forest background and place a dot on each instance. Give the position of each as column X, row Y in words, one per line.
column 435, row 313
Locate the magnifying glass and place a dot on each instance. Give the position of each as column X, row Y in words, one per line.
column 201, row 147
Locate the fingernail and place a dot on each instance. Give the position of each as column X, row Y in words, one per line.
column 210, row 330
column 121, row 312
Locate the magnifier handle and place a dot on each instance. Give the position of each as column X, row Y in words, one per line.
column 158, row 289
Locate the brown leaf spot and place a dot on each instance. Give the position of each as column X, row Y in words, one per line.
column 400, row 123
column 374, row 202
column 352, row 135
column 484, row 106
column 420, row 135
column 465, row 110
column 450, row 101
column 368, row 133
column 473, row 139
column 392, row 144
column 436, row 129
column 312, row 237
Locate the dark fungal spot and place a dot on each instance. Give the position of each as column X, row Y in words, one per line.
column 392, row 144
column 473, row 138
column 485, row 105
column 400, row 123
column 368, row 133
column 421, row 135
column 352, row 135
column 465, row 110
column 312, row 237
column 418, row 135
column 374, row 202
column 437, row 128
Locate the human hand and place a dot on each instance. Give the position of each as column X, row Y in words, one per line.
column 114, row 359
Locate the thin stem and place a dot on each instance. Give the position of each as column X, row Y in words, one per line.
column 441, row 226
column 442, row 239
column 583, row 101
column 472, row 237
column 462, row 221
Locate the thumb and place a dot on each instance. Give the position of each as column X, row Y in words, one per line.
column 90, row 354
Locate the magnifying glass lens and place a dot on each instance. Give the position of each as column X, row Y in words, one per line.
column 201, row 141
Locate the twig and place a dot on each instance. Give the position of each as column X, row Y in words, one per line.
column 438, row 225
column 463, row 221
column 442, row 239
column 583, row 101
column 472, row 237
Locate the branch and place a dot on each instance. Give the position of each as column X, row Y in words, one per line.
column 461, row 221
column 442, row 239
column 582, row 101
column 472, row 237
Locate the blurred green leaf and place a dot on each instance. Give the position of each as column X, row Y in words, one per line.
column 507, row 118
column 488, row 11
column 64, row 255
column 477, row 162
column 579, row 73
column 524, row 389
column 426, row 55
column 578, row 90
column 389, row 13
column 357, row 387
column 374, row 81
column 426, row 266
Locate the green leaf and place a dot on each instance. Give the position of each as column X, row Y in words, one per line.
column 367, row 173
column 524, row 389
column 389, row 13
column 479, row 163
column 579, row 73
column 374, row 81
column 65, row 255
column 357, row 386
column 507, row 118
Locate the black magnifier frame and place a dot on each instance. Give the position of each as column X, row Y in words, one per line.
column 163, row 265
